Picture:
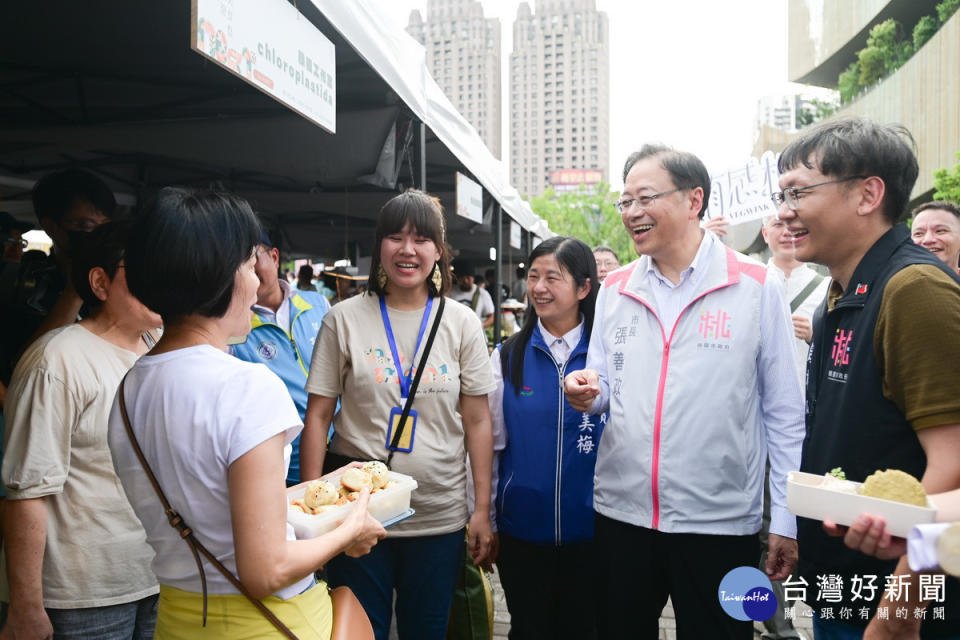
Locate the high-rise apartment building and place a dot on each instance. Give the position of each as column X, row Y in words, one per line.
column 463, row 54
column 559, row 93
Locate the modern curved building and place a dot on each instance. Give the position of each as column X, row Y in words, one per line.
column 923, row 94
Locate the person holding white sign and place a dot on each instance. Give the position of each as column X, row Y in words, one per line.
column 691, row 351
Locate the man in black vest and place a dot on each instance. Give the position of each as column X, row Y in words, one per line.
column 882, row 370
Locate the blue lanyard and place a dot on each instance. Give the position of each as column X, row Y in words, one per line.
column 404, row 379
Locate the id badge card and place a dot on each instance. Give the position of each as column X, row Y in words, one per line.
column 406, row 437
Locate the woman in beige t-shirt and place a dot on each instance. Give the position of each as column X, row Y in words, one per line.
column 355, row 361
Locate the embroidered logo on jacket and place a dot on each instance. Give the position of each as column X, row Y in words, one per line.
column 715, row 328
column 267, row 350
column 841, row 347
column 840, row 355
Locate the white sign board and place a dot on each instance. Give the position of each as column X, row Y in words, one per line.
column 743, row 193
column 269, row 44
column 515, row 239
column 469, row 199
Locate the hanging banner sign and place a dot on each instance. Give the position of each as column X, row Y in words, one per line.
column 743, row 193
column 469, row 199
column 270, row 45
column 515, row 240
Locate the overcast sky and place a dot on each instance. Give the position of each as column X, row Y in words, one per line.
column 684, row 72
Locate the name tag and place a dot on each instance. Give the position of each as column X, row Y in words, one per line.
column 409, row 429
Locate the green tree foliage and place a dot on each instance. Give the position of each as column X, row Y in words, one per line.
column 587, row 214
column 885, row 52
column 849, row 83
column 924, row 30
column 946, row 183
column 946, row 9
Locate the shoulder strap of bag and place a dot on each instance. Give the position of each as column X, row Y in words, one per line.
column 805, row 293
column 416, row 382
column 177, row 522
column 474, row 302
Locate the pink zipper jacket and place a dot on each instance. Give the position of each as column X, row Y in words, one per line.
column 696, row 406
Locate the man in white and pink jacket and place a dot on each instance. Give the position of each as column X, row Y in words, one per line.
column 692, row 354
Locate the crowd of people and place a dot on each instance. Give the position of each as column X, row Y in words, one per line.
column 629, row 442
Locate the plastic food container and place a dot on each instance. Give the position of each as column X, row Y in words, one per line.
column 385, row 505
column 806, row 498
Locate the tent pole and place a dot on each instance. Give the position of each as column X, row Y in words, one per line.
column 423, row 156
column 498, row 278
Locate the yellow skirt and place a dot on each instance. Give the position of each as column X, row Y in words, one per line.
column 232, row 617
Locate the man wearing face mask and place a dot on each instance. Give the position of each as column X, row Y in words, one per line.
column 64, row 202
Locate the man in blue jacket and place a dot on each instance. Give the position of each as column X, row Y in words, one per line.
column 284, row 327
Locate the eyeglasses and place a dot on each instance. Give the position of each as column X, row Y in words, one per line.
column 791, row 195
column 642, row 202
column 23, row 241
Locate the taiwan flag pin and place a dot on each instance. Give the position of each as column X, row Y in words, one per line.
column 861, row 289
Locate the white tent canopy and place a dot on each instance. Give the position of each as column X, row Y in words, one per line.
column 117, row 90
column 401, row 61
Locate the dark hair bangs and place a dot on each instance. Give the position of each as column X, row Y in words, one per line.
column 424, row 213
column 859, row 147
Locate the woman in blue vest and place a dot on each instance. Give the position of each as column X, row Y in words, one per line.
column 545, row 496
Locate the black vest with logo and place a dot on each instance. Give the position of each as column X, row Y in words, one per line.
column 850, row 424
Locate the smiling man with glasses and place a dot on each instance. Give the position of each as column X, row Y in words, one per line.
column 882, row 370
column 692, row 353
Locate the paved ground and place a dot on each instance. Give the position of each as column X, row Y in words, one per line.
column 668, row 626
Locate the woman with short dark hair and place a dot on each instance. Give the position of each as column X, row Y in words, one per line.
column 216, row 432
column 365, row 355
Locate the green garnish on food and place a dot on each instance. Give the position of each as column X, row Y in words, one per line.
column 837, row 472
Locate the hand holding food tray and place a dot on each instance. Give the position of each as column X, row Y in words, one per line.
column 320, row 506
column 830, row 498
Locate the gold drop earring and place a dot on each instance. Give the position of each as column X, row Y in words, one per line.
column 381, row 277
column 437, row 277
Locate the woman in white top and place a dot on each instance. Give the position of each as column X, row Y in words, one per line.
column 365, row 355
column 216, row 432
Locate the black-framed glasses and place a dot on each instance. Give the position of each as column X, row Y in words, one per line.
column 790, row 195
column 23, row 241
column 642, row 202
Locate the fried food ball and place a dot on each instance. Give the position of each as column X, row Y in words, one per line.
column 379, row 472
column 319, row 493
column 356, row 479
column 895, row 485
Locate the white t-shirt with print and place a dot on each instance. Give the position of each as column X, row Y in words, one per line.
column 194, row 412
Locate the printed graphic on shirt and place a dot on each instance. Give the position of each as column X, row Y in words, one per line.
column 385, row 372
column 267, row 350
column 840, row 355
column 715, row 328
